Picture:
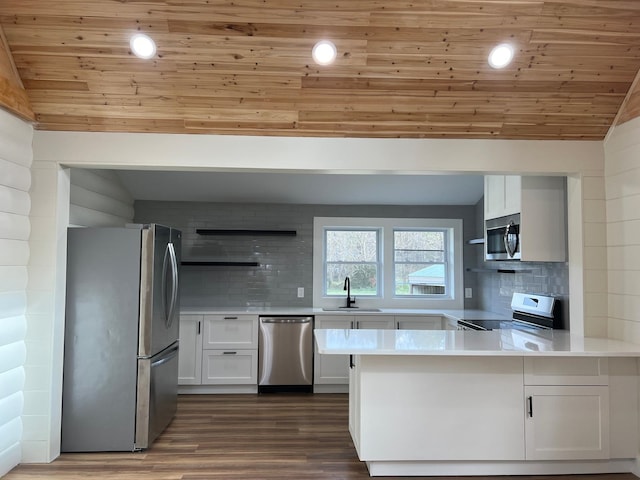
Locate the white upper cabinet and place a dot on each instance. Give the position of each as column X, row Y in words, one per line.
column 501, row 195
column 541, row 203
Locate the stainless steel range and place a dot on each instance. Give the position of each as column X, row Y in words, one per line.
column 529, row 312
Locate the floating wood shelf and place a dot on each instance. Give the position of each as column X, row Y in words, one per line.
column 203, row 263
column 476, row 241
column 283, row 233
column 499, row 270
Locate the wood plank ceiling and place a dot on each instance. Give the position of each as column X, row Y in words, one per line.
column 405, row 68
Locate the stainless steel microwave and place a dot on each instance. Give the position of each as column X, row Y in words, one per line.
column 502, row 238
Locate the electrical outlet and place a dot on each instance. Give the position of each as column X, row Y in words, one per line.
column 468, row 293
column 300, row 292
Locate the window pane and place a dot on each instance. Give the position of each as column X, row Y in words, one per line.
column 420, row 262
column 351, row 246
column 418, row 246
column 362, row 276
column 420, row 279
column 417, row 256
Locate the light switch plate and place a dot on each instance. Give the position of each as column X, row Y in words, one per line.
column 300, row 292
column 468, row 293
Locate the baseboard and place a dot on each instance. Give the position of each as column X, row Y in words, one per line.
column 436, row 468
column 331, row 389
column 636, row 467
column 213, row 389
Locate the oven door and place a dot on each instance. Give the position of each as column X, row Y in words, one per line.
column 502, row 238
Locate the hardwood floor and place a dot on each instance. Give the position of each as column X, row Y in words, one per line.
column 275, row 436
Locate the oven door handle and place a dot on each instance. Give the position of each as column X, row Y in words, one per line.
column 510, row 239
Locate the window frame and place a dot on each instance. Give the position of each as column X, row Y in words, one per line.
column 387, row 298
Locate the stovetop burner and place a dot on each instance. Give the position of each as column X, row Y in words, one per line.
column 497, row 324
column 530, row 313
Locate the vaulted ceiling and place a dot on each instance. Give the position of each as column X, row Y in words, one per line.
column 405, row 68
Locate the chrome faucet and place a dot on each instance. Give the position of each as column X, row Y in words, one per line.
column 347, row 287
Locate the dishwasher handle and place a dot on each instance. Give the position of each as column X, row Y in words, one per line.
column 286, row 320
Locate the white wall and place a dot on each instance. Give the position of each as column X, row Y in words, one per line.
column 15, row 203
column 98, row 199
column 622, row 170
column 50, row 198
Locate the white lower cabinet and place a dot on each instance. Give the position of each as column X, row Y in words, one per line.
column 229, row 367
column 566, row 408
column 567, row 422
column 332, row 369
column 190, row 351
column 218, row 350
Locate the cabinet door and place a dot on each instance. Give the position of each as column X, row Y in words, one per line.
column 190, row 352
column 381, row 322
column 567, row 422
column 354, row 402
column 230, row 332
column 512, row 194
column 332, row 369
column 230, row 367
column 493, row 196
column 502, row 195
column 423, row 322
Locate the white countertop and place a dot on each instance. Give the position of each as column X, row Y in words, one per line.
column 454, row 314
column 554, row 343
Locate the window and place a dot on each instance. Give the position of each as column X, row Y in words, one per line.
column 391, row 262
column 354, row 254
column 420, row 262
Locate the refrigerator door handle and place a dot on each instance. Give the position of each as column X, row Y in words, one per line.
column 165, row 357
column 174, row 283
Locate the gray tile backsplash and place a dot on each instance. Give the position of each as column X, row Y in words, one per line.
column 285, row 262
column 494, row 290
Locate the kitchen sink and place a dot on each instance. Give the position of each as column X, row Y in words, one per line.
column 351, row 309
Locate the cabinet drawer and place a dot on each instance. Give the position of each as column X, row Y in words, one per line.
column 422, row 322
column 230, row 332
column 566, row 371
column 229, row 367
column 381, row 322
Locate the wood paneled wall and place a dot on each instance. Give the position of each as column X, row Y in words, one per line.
column 622, row 177
column 15, row 204
column 98, row 199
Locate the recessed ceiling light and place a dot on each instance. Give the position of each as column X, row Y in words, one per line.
column 501, row 56
column 142, row 46
column 324, row 52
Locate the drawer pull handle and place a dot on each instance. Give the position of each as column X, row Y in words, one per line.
column 229, row 353
column 230, row 318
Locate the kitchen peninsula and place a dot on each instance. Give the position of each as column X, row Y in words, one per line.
column 502, row 402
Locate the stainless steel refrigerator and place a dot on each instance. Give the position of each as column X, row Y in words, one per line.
column 120, row 384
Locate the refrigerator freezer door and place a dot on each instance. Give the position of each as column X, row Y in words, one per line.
column 159, row 299
column 101, row 330
column 157, row 395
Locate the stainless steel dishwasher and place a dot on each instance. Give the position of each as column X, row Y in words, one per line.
column 285, row 346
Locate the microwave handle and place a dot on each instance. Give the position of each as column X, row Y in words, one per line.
column 510, row 246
